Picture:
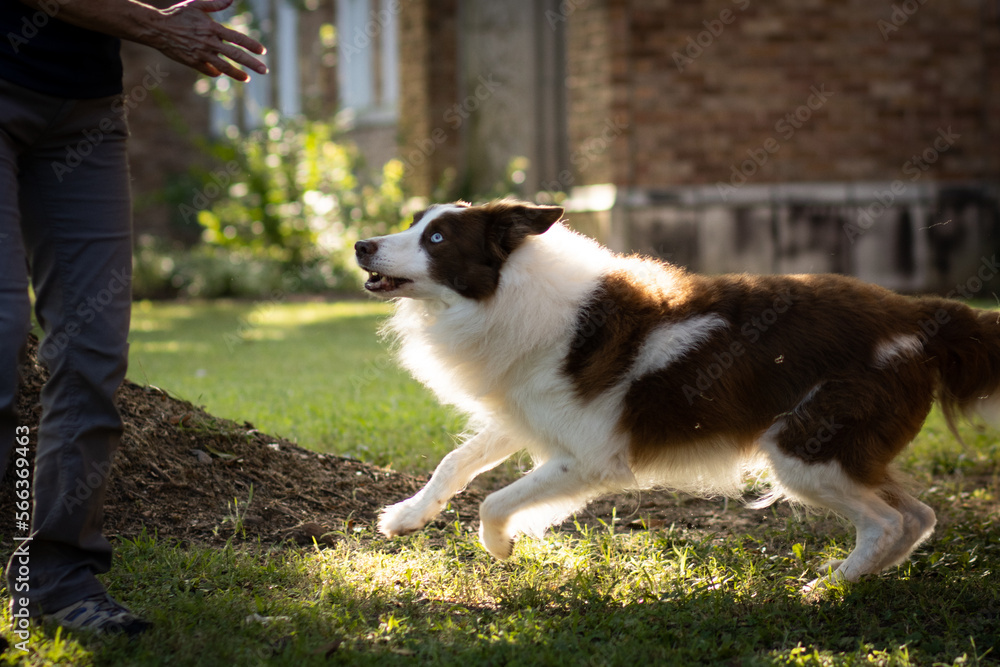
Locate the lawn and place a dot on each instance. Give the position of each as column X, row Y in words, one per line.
column 693, row 591
column 316, row 373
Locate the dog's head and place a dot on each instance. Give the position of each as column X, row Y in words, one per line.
column 451, row 249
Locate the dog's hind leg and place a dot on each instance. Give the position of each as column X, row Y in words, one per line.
column 889, row 522
column 545, row 496
column 881, row 528
column 888, row 538
column 918, row 524
column 834, row 450
column 483, row 451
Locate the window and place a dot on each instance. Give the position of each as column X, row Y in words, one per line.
column 244, row 104
column 367, row 59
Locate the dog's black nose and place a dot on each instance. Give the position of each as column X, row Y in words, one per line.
column 365, row 248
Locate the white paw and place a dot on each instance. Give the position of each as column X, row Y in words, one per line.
column 496, row 540
column 404, row 518
column 817, row 586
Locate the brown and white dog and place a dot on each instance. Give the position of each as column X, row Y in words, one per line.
column 622, row 372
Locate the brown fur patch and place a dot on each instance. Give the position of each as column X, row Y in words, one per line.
column 799, row 349
column 608, row 329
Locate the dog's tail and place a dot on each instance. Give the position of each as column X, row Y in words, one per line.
column 964, row 344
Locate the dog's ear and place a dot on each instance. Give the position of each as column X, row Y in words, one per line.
column 512, row 223
column 537, row 219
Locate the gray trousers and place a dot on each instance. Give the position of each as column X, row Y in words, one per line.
column 65, row 221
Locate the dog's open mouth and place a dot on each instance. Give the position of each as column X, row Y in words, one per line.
column 378, row 283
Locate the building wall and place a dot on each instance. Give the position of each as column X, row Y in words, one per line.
column 846, row 136
column 428, row 46
column 844, row 93
column 684, row 123
column 590, row 93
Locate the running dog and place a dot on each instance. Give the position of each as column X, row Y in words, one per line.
column 623, row 372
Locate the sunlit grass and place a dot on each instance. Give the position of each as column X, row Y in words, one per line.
column 316, row 373
column 673, row 596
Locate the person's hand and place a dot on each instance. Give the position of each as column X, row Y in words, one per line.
column 188, row 34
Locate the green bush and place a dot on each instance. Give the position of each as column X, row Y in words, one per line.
column 279, row 211
column 162, row 271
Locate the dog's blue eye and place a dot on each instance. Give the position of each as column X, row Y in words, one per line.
column 436, row 237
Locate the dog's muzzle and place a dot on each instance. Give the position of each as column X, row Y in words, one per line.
column 365, row 252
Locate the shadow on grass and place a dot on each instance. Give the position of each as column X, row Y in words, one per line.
column 274, row 607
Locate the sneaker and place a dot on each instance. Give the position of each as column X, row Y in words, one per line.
column 99, row 613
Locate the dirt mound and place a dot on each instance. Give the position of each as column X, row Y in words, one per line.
column 186, row 474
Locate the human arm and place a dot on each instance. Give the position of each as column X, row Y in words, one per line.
column 184, row 32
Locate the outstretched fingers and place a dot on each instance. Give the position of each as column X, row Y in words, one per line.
column 239, row 56
column 189, row 35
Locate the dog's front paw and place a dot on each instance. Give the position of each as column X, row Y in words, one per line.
column 817, row 587
column 403, row 518
column 830, row 566
column 496, row 540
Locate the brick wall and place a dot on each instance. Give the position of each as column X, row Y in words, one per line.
column 830, row 91
column 791, row 135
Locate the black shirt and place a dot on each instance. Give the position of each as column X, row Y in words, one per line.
column 50, row 56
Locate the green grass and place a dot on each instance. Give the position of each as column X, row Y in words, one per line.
column 671, row 596
column 315, row 373
column 610, row 595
